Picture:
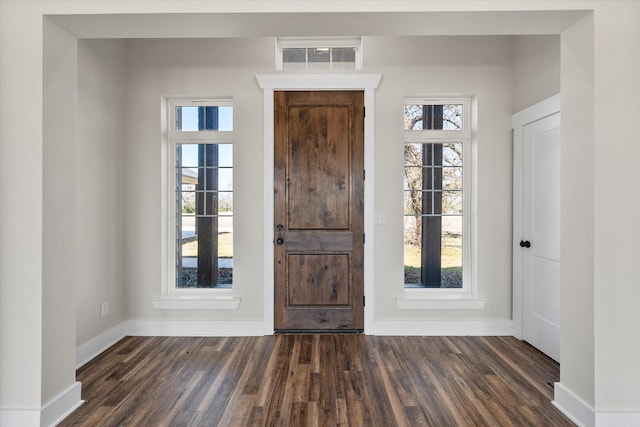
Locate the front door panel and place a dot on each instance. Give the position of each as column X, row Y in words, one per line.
column 318, row 229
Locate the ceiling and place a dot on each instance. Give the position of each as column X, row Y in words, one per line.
column 208, row 25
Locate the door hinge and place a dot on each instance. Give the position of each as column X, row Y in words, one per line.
column 364, row 174
column 363, row 301
column 364, row 240
column 364, row 111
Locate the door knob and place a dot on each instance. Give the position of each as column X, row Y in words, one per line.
column 279, row 241
column 279, row 227
column 525, row 244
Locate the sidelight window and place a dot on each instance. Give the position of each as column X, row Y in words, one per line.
column 202, row 150
column 435, row 193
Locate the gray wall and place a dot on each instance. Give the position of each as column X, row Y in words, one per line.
column 100, row 181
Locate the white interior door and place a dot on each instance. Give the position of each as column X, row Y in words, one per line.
column 540, row 239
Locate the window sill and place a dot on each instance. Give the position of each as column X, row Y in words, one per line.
column 421, row 300
column 196, row 302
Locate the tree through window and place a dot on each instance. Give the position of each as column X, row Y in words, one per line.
column 433, row 195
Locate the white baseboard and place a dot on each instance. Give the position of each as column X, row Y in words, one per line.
column 188, row 328
column 584, row 415
column 618, row 419
column 58, row 409
column 50, row 414
column 96, row 345
column 20, row 418
column 576, row 409
column 206, row 328
column 194, row 328
column 443, row 328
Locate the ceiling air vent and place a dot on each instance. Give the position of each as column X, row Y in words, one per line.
column 294, row 54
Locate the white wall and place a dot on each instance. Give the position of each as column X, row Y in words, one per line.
column 21, row 313
column 577, row 204
column 183, row 67
column 536, row 69
column 59, row 197
column 617, row 209
column 478, row 66
column 100, row 181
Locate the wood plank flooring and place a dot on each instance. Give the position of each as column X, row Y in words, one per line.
column 318, row 380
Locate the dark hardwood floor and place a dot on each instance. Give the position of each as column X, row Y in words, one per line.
column 319, row 380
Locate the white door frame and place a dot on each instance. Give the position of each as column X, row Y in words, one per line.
column 519, row 120
column 272, row 82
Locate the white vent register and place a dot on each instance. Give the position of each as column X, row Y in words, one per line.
column 317, row 54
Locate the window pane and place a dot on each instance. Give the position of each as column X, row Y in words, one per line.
column 433, row 117
column 225, row 179
column 204, row 240
column 413, row 178
column 204, row 118
column 433, row 181
column 452, row 154
column 452, row 178
column 447, row 271
column 187, row 202
column 412, row 250
column 452, row 252
column 225, row 119
column 452, row 202
column 343, row 54
column 189, row 155
column 319, row 54
column 188, row 231
column 225, row 203
column 413, row 155
column 413, row 202
column 294, row 55
column 225, row 155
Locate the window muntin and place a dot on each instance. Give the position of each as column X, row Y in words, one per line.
column 202, row 151
column 435, row 195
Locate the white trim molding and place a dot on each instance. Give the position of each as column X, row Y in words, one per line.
column 446, row 301
column 194, row 328
column 64, row 404
column 49, row 415
column 622, row 419
column 272, row 82
column 96, row 345
column 196, row 302
column 20, row 417
column 576, row 409
column 444, row 327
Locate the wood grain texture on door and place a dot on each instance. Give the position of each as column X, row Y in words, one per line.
column 318, row 213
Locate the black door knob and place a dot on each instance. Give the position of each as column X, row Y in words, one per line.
column 279, row 227
column 525, row 244
column 279, row 241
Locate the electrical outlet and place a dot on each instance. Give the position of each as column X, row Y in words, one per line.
column 379, row 218
column 104, row 309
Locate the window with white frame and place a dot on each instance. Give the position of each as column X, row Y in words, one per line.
column 319, row 53
column 436, row 193
column 201, row 193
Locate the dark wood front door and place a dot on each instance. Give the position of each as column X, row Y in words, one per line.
column 319, row 206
